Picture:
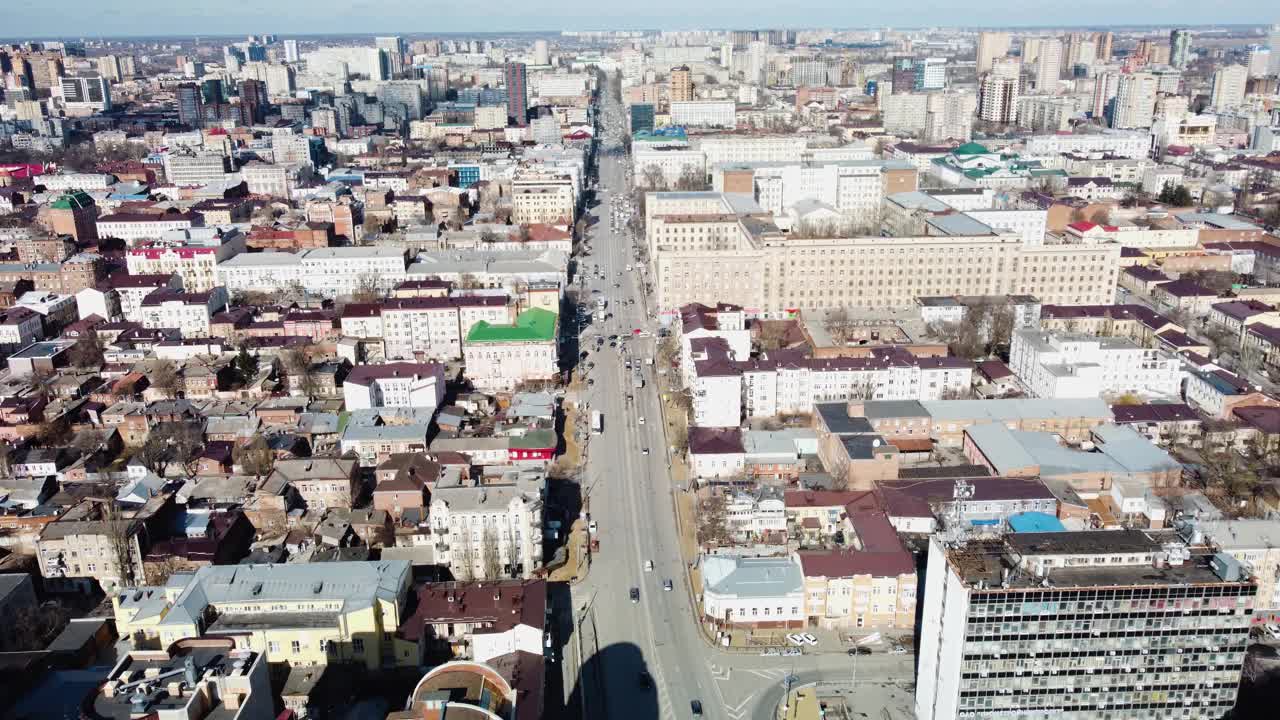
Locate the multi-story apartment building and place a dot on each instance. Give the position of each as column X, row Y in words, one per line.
column 1074, row 365
column 193, row 254
column 191, row 313
column 1080, row 626
column 539, row 198
column 133, row 289
column 672, row 162
column 433, row 327
column 352, row 609
column 490, row 529
column 712, row 247
column 192, row 169
column 732, row 148
column 403, row 384
column 1256, row 545
column 74, row 554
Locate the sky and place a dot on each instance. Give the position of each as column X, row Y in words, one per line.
column 96, row 18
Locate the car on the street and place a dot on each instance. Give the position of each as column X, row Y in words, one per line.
column 792, row 652
column 644, row 451
column 640, row 419
column 591, row 381
column 646, row 681
column 809, row 639
column 770, row 652
column 695, row 706
column 795, row 639
column 635, row 595
column 897, row 650
column 666, row 585
column 859, row 650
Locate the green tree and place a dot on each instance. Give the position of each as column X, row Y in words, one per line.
column 246, row 365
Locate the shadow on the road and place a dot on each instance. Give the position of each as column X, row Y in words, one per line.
column 614, row 683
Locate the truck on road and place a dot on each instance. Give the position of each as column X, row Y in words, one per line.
column 597, row 422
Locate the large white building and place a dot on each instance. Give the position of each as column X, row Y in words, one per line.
column 409, row 385
column 713, row 247
column 1135, row 103
column 730, row 148
column 1079, row 626
column 433, row 327
column 671, row 162
column 495, row 524
column 855, row 188
column 705, row 113
column 132, row 227
column 1119, row 143
column 191, row 313
column 193, row 254
column 1061, row 365
column 327, row 272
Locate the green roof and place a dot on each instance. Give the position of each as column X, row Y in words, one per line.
column 971, row 149
column 533, row 325
column 73, row 201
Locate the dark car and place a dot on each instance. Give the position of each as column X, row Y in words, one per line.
column 646, row 681
column 696, row 707
column 635, row 595
column 859, row 650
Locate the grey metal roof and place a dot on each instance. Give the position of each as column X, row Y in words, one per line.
column 751, row 577
column 1013, row 409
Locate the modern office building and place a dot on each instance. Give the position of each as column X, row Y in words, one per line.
column 1080, row 626
column 1180, row 48
column 86, row 93
column 642, row 117
column 187, row 97
column 516, row 77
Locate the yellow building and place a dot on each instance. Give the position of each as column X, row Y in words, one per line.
column 304, row 614
column 869, row 585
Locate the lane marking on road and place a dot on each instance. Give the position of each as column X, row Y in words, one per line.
column 769, row 674
column 737, row 711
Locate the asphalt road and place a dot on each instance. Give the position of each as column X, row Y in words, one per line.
column 630, row 495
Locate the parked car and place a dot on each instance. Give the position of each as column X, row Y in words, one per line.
column 635, row 595
column 897, row 650
column 859, row 650
column 696, row 707
column 809, row 639
column 795, row 639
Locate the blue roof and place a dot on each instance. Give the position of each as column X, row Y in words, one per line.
column 1035, row 522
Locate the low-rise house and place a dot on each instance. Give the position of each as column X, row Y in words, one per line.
column 871, row 584
column 375, row 443
column 403, row 483
column 477, row 621
column 760, row 514
column 1217, row 392
column 322, row 483
column 716, row 452
column 915, row 505
column 417, row 385
column 1184, row 296
column 1172, row 423
column 755, row 593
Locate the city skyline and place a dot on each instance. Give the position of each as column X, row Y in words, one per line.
column 151, row 18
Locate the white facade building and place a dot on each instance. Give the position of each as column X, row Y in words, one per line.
column 1060, row 365
column 413, row 385
column 705, row 113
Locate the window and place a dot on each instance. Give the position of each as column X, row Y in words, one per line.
column 358, row 644
column 295, row 647
column 273, row 647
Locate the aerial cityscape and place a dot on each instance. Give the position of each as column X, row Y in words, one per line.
column 387, row 362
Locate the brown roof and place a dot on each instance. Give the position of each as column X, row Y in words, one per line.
column 497, row 606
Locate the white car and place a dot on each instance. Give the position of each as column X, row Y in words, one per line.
column 648, row 566
column 795, row 639
column 640, row 420
column 644, row 451
column 809, row 639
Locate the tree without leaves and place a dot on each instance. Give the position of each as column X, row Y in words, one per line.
column 491, row 554
column 171, row 443
column 463, row 564
column 88, row 350
column 164, row 377
column 712, row 526
column 32, row 628
column 255, row 457
column 121, row 535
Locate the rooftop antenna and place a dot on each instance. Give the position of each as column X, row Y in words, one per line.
column 956, row 532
